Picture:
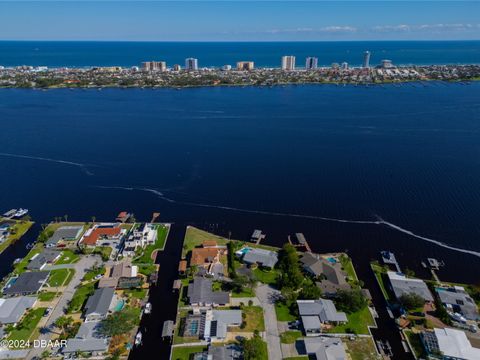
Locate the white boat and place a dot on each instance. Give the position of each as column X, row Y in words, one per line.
column 138, row 338
column 148, row 308
column 20, row 212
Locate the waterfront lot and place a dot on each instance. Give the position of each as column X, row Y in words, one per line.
column 17, row 229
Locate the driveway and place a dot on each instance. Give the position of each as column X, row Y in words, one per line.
column 86, row 262
column 267, row 296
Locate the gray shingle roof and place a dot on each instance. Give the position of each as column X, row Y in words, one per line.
column 325, row 348
column 460, row 301
column 12, row 309
column 27, row 283
column 200, row 292
column 262, row 257
column 99, row 302
column 85, row 345
column 45, row 257
column 65, row 233
column 323, row 308
column 402, row 285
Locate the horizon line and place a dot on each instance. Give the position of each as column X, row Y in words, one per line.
column 239, row 41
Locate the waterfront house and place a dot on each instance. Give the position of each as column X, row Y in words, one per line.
column 88, row 347
column 99, row 304
column 64, row 233
column 200, row 293
column 330, row 275
column 316, row 314
column 260, row 257
column 103, row 235
column 13, row 309
column 401, row 285
column 325, row 348
column 121, row 275
column 457, row 301
column 39, row 261
column 141, row 236
column 211, row 325
column 27, row 283
column 448, row 344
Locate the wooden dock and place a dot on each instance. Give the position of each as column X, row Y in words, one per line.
column 301, row 242
column 155, row 216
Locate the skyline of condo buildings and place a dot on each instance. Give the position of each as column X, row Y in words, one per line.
column 288, row 62
column 191, row 64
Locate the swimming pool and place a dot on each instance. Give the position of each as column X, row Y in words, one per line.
column 332, row 260
column 120, row 305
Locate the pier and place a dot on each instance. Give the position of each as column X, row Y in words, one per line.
column 301, row 241
column 257, row 236
column 389, row 258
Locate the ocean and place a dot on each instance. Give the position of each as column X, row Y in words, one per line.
column 264, row 54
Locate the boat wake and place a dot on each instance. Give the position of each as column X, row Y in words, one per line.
column 379, row 220
column 83, row 167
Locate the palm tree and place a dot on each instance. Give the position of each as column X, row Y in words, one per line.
column 65, row 217
column 93, row 219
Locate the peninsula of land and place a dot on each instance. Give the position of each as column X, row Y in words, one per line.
column 153, row 76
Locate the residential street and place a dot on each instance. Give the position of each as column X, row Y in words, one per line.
column 267, row 296
column 85, row 262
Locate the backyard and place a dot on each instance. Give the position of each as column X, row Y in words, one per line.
column 80, row 296
column 358, row 323
column 162, row 234
column 184, row 352
column 27, row 325
column 60, row 277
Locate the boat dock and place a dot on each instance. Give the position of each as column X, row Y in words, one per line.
column 301, row 241
column 257, row 236
column 389, row 258
column 155, row 215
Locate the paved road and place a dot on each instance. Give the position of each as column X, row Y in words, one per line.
column 267, row 295
column 86, row 262
column 58, row 267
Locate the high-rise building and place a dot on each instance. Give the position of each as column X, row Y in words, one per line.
column 288, row 62
column 387, row 64
column 344, row 65
column 311, row 63
column 191, row 64
column 366, row 59
column 154, row 66
column 226, row 67
column 177, row 67
column 245, row 65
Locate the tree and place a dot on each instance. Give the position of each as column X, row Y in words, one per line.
column 238, row 283
column 350, row 301
column 65, row 217
column 119, row 322
column 255, row 348
column 63, row 322
column 310, row 291
column 290, row 273
column 411, row 301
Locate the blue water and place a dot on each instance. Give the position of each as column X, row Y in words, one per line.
column 79, row 54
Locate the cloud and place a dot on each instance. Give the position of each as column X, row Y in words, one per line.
column 327, row 29
column 402, row 28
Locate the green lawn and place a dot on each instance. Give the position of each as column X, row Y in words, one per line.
column 361, row 348
column 358, row 323
column 67, row 257
column 46, row 296
column 21, row 266
column 81, row 295
column 283, row 312
column 347, row 266
column 289, row 337
column 162, row 234
column 103, row 251
column 90, row 275
column 245, row 293
column 195, row 237
column 266, row 276
column 17, row 230
column 27, row 325
column 184, row 352
column 147, row 270
column 416, row 343
column 379, row 275
column 60, row 277
column 135, row 293
column 253, row 319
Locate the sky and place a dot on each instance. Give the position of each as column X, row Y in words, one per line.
column 239, row 21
